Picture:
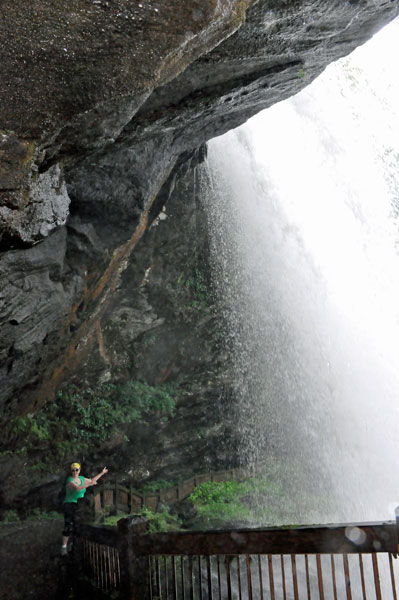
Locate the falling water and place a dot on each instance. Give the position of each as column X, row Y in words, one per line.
column 303, row 205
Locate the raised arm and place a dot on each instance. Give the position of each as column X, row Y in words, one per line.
column 97, row 477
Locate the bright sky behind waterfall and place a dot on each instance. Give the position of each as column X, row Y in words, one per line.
column 348, row 134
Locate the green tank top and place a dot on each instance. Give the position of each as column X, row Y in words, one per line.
column 74, row 495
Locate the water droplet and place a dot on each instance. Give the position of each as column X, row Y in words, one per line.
column 355, row 535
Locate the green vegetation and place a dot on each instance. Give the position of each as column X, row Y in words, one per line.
column 11, row 516
column 158, row 484
column 250, row 501
column 263, row 500
column 197, row 287
column 301, row 74
column 161, row 521
column 37, row 515
column 112, row 520
column 80, row 421
column 256, row 501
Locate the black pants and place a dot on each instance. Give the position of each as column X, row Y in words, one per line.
column 72, row 518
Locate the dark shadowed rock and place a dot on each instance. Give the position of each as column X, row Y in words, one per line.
column 185, row 510
column 31, row 566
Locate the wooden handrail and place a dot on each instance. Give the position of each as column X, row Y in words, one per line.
column 331, row 539
column 347, row 538
column 138, row 552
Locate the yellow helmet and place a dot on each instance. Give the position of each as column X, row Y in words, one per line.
column 75, row 466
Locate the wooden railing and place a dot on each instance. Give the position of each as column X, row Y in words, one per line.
column 99, row 556
column 337, row 562
column 115, row 498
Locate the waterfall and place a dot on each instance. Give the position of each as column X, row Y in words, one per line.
column 303, row 205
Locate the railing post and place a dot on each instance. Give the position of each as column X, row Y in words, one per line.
column 135, row 570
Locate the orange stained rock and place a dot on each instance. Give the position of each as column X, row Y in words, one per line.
column 90, row 330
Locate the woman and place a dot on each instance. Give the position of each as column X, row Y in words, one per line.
column 76, row 486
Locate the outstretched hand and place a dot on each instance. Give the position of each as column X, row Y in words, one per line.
column 105, row 470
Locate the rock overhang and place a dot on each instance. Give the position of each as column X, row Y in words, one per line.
column 100, row 102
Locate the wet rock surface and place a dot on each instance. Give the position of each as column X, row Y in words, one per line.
column 103, row 107
column 30, row 559
column 44, row 209
column 60, row 62
column 162, row 325
column 114, row 95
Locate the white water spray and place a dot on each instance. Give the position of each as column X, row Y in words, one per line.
column 303, row 209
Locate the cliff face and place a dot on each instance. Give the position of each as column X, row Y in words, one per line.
column 102, row 106
column 73, row 80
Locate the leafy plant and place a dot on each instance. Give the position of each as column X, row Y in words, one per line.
column 28, row 425
column 157, row 484
column 81, row 420
column 161, row 521
column 38, row 515
column 197, row 287
column 212, row 492
column 255, row 500
column 112, row 520
column 10, row 516
column 144, row 399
